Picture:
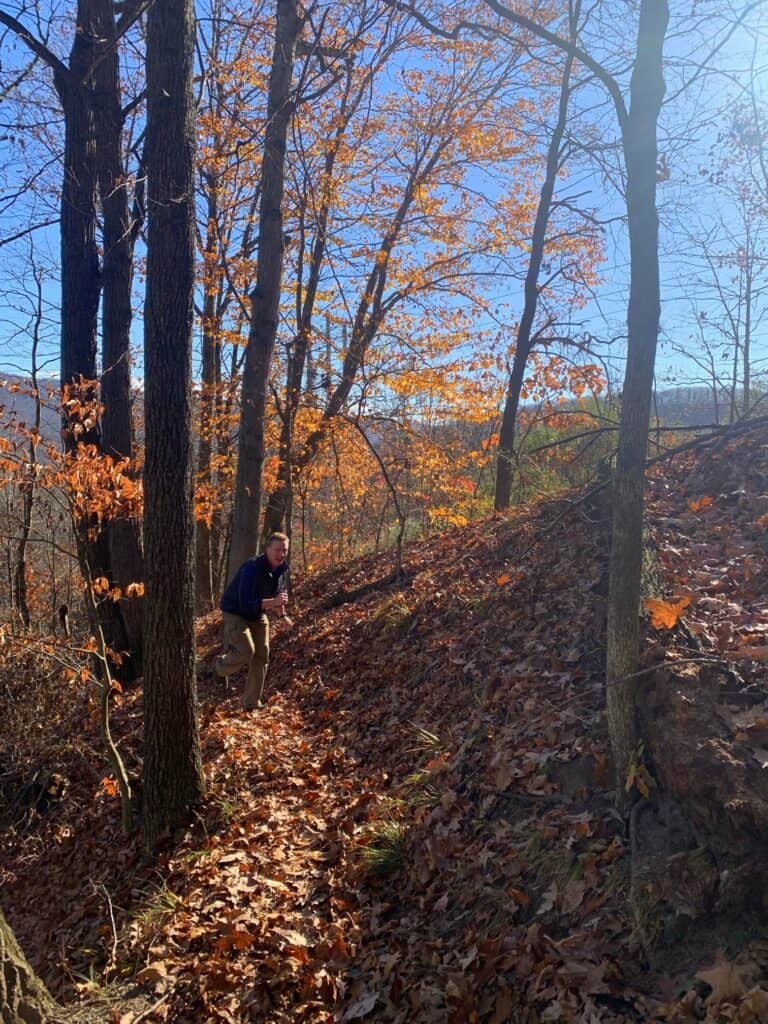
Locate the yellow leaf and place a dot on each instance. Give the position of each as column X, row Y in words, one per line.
column 665, row 614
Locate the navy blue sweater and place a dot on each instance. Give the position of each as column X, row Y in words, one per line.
column 253, row 581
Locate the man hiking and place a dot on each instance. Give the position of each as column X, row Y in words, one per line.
column 259, row 586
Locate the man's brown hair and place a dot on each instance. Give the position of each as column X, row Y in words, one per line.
column 281, row 538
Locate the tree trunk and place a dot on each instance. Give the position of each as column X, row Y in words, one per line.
column 276, row 516
column 80, row 273
column 80, row 280
column 117, row 259
column 211, row 377
column 524, row 341
column 265, row 297
column 279, row 504
column 748, row 299
column 173, row 777
column 123, row 536
column 640, row 149
column 24, row 999
column 19, row 579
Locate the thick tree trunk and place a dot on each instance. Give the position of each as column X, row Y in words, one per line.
column 80, row 279
column 80, row 273
column 123, row 536
column 117, row 259
column 173, row 777
column 640, row 149
column 524, row 340
column 265, row 298
column 24, row 999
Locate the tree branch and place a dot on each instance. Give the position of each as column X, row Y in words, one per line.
column 39, row 49
column 486, row 31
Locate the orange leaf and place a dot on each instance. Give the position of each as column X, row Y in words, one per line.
column 109, row 786
column 519, row 897
column 665, row 614
column 504, row 578
column 697, row 504
column 236, row 938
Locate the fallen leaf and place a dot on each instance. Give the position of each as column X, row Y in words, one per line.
column 665, row 614
column 727, row 980
column 697, row 504
column 361, row 1007
column 755, row 653
column 573, row 895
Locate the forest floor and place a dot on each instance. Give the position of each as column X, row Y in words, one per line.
column 419, row 826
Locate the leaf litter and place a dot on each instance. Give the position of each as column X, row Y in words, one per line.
column 462, row 714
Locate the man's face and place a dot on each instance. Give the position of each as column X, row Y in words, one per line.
column 277, row 552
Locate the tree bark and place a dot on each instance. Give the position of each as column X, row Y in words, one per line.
column 24, row 999
column 173, row 777
column 265, row 297
column 640, row 149
column 80, row 278
column 123, row 536
column 117, row 259
column 80, row 272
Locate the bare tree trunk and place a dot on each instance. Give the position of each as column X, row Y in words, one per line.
column 265, row 297
column 524, row 340
column 640, row 149
column 211, row 377
column 123, row 536
column 80, row 277
column 749, row 281
column 80, row 273
column 280, row 502
column 173, row 776
column 19, row 578
column 118, row 235
column 24, row 999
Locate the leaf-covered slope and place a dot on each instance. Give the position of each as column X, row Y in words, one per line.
column 419, row 825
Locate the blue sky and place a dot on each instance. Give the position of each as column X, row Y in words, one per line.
column 689, row 127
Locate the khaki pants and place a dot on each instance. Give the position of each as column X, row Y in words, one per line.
column 245, row 644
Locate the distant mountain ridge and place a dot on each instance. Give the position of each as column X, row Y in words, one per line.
column 680, row 406
column 17, row 405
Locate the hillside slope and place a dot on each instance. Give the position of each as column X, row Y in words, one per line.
column 419, row 825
